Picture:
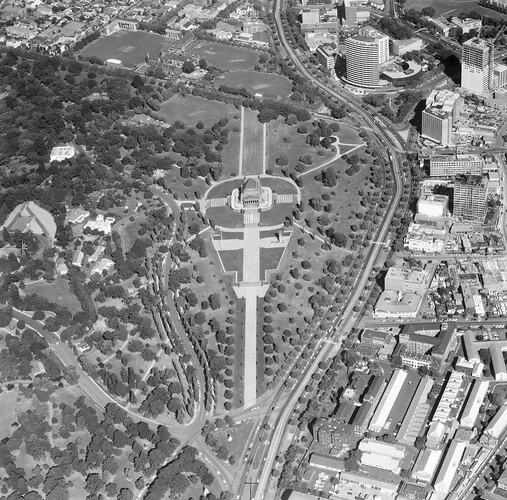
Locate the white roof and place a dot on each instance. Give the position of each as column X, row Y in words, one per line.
column 475, row 399
column 450, row 463
column 498, row 424
column 388, row 399
column 426, row 464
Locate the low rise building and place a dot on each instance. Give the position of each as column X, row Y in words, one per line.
column 426, row 465
column 473, row 404
column 466, row 25
column 383, row 484
column 456, row 164
column 388, row 400
column 393, row 304
column 101, row 224
column 400, row 47
column 382, row 455
column 409, row 280
column 60, row 153
column 433, row 205
column 328, row 463
column 447, row 472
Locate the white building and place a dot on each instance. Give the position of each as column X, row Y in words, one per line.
column 458, row 164
column 498, row 425
column 102, row 265
column 426, row 465
column 326, row 56
column 382, row 455
column 433, row 205
column 60, row 153
column 499, row 77
column 450, row 464
column 475, row 400
column 400, row 47
column 466, row 25
column 450, row 398
column 388, row 400
column 365, row 54
column 475, row 66
column 310, row 16
column 442, row 111
column 100, row 224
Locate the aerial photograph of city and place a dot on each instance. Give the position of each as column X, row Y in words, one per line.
column 253, row 249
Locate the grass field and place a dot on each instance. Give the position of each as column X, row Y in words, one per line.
column 226, row 57
column 232, row 261
column 270, row 260
column 253, row 133
column 190, row 110
column 58, row 292
column 225, row 217
column 130, row 47
column 279, row 185
column 269, row 85
column 349, row 135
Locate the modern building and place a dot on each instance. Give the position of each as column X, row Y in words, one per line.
column 393, row 304
column 388, row 400
column 442, row 111
column 407, row 280
column 401, row 47
column 426, row 465
column 470, row 198
column 433, row 205
column 498, row 361
column 29, row 217
column 327, row 463
column 473, row 404
column 466, row 25
column 352, row 12
column 456, row 164
column 365, row 54
column 326, row 56
column 448, row 468
column 120, row 25
column 382, row 455
column 498, row 77
column 335, row 434
column 476, row 68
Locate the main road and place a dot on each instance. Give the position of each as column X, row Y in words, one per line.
column 391, row 140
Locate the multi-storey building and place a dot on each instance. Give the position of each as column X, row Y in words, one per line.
column 476, row 66
column 326, row 56
column 470, row 198
column 453, row 165
column 365, row 53
column 310, row 16
column 442, row 111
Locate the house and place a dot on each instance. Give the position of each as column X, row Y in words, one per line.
column 60, row 153
column 28, row 217
column 76, row 215
column 101, row 224
column 102, row 265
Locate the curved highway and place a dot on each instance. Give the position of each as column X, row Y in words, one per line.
column 388, row 139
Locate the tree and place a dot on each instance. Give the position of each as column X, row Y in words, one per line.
column 188, row 67
column 203, row 64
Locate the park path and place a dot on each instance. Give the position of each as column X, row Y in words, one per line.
column 336, row 156
column 241, row 139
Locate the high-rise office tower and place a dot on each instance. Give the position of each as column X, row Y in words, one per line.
column 470, row 198
column 476, row 66
column 365, row 53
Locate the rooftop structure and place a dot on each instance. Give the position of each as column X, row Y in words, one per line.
column 426, row 465
column 456, row 164
column 29, row 217
column 450, row 399
column 60, row 153
column 393, row 304
column 388, row 400
column 473, row 404
column 433, row 205
column 416, row 414
column 498, row 425
column 408, row 280
column 448, row 468
column 382, row 455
